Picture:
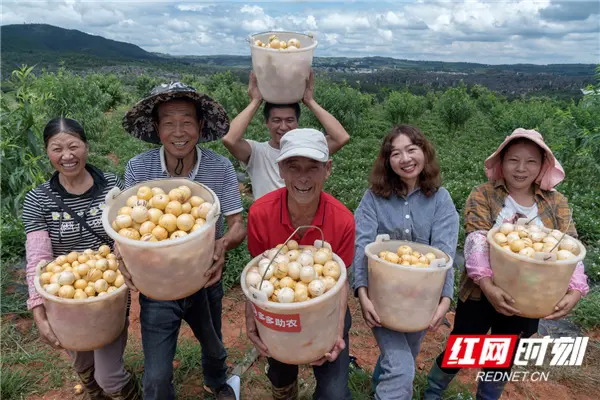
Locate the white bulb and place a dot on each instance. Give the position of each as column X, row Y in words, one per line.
column 305, row 259
column 53, row 288
column 564, row 255
column 281, row 259
column 270, row 253
column 293, row 255
column 308, row 274
column 321, row 257
column 253, row 279
column 66, row 278
column 316, row 288
column 263, row 261
column 285, row 295
column 568, row 244
column 329, row 282
column 537, row 236
column 294, row 270
column 267, row 288
column 264, row 272
column 506, row 228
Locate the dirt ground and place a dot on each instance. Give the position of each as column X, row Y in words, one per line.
column 363, row 347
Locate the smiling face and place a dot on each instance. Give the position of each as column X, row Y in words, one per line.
column 521, row 164
column 407, row 159
column 67, row 153
column 280, row 122
column 178, row 127
column 304, row 178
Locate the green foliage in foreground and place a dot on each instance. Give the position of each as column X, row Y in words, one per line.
column 465, row 125
column 587, row 312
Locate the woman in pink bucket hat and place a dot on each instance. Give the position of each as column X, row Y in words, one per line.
column 522, row 174
column 551, row 172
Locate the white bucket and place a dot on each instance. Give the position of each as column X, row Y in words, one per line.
column 404, row 297
column 87, row 324
column 281, row 74
column 535, row 285
column 169, row 269
column 310, row 327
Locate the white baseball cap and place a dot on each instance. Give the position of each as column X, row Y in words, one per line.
column 305, row 142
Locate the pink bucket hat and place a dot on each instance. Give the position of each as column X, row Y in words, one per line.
column 551, row 173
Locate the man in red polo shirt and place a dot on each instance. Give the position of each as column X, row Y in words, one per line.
column 304, row 165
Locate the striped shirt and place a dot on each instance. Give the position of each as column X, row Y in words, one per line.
column 211, row 169
column 417, row 218
column 41, row 213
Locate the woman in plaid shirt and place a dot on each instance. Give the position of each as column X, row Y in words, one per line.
column 522, row 173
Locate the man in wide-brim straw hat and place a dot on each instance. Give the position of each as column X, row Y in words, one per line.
column 178, row 117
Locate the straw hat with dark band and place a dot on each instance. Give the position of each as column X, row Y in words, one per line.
column 139, row 121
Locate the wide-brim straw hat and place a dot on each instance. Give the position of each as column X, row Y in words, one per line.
column 139, row 121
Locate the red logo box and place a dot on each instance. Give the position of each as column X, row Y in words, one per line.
column 278, row 322
column 479, row 351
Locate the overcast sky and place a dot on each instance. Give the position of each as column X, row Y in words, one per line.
column 490, row 32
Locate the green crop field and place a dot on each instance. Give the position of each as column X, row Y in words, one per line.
column 466, row 124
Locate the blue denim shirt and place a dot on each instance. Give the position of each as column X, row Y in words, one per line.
column 429, row 220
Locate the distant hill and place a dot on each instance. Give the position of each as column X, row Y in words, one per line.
column 48, row 46
column 41, row 42
column 371, row 64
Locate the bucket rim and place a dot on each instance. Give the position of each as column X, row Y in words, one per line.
column 300, row 50
column 578, row 258
column 295, row 306
column 371, row 256
column 164, row 243
column 90, row 300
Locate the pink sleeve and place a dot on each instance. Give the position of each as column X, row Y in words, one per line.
column 579, row 280
column 38, row 248
column 477, row 256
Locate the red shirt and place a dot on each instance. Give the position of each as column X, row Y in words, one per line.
column 269, row 225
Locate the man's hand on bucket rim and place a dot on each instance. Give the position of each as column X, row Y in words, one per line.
column 308, row 95
column 439, row 314
column 46, row 333
column 565, row 305
column 124, row 271
column 252, row 332
column 338, row 347
column 253, row 91
column 215, row 272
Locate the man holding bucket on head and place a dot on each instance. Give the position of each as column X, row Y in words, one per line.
column 260, row 158
column 178, row 117
column 304, row 166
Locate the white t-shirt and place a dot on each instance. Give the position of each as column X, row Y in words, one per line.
column 263, row 169
column 511, row 208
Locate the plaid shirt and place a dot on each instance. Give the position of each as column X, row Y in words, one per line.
column 485, row 203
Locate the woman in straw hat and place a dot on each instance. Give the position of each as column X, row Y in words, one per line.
column 522, row 174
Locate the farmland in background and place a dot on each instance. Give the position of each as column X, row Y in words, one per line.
column 466, row 122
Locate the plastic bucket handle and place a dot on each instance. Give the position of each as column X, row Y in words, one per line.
column 382, row 238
